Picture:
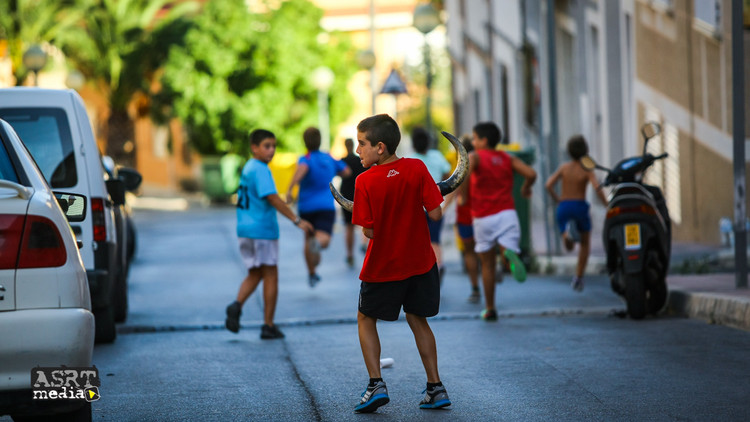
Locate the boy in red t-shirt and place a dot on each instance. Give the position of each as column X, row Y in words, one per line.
column 400, row 267
column 495, row 219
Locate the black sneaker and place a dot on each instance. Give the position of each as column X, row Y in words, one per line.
column 233, row 317
column 435, row 398
column 372, row 398
column 270, row 332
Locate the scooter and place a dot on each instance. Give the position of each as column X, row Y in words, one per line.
column 637, row 232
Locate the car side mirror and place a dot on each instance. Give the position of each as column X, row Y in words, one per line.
column 131, row 178
column 116, row 190
column 73, row 205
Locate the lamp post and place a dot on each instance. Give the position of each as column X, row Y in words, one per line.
column 35, row 59
column 427, row 18
column 322, row 79
column 366, row 60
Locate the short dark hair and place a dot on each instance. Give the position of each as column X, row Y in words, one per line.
column 577, row 147
column 466, row 141
column 349, row 144
column 381, row 128
column 312, row 138
column 489, row 131
column 258, row 135
column 420, row 139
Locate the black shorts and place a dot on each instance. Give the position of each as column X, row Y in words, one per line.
column 419, row 295
column 346, row 216
column 320, row 220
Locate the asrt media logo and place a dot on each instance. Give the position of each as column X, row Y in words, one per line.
column 65, row 383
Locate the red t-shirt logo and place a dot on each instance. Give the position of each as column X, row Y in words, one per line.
column 392, row 173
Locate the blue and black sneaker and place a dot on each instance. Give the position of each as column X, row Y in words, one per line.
column 373, row 397
column 435, row 398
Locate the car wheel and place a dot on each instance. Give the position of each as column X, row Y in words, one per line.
column 121, row 297
column 105, row 325
column 131, row 239
column 82, row 414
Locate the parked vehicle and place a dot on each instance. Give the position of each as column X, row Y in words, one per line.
column 54, row 126
column 45, row 305
column 637, row 232
column 126, row 234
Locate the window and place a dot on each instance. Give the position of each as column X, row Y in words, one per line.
column 708, row 14
column 46, row 134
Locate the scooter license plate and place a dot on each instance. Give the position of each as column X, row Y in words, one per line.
column 632, row 236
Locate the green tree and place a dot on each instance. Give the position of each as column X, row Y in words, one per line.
column 115, row 50
column 24, row 23
column 240, row 70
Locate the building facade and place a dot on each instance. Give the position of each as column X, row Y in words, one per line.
column 547, row 70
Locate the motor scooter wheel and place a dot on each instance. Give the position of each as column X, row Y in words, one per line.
column 635, row 295
column 657, row 296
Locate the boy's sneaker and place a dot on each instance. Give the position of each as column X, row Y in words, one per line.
column 489, row 315
column 313, row 279
column 577, row 284
column 233, row 317
column 435, row 398
column 372, row 398
column 269, row 332
column 516, row 266
column 475, row 295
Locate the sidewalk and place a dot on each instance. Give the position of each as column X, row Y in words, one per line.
column 701, row 278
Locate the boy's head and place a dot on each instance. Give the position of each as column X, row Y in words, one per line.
column 577, row 147
column 381, row 128
column 466, row 141
column 488, row 131
column 349, row 144
column 263, row 144
column 311, row 138
column 420, row 140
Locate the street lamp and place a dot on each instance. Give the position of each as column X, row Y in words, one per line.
column 427, row 18
column 35, row 59
column 322, row 79
column 366, row 60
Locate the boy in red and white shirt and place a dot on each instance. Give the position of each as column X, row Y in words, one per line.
column 495, row 218
column 400, row 268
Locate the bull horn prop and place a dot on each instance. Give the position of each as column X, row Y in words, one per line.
column 446, row 186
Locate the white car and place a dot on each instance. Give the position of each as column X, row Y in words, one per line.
column 45, row 305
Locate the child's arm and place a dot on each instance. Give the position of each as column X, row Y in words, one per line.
column 551, row 182
column 597, row 188
column 526, row 172
column 299, row 174
column 435, row 214
column 275, row 200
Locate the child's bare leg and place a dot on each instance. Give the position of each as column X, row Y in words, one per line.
column 438, row 254
column 370, row 343
column 583, row 253
column 270, row 292
column 349, row 237
column 425, row 344
column 249, row 284
column 567, row 241
column 488, row 277
column 323, row 238
column 471, row 262
column 311, row 259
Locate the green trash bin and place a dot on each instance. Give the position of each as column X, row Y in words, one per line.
column 523, row 205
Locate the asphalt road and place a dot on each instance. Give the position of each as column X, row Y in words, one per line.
column 553, row 355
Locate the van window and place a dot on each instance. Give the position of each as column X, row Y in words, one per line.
column 46, row 134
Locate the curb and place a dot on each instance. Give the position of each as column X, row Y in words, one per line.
column 710, row 307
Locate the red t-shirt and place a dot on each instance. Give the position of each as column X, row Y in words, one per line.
column 491, row 183
column 463, row 212
column 391, row 199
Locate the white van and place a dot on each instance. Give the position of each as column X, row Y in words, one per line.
column 54, row 126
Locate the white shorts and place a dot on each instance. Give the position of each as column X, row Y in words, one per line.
column 257, row 252
column 501, row 229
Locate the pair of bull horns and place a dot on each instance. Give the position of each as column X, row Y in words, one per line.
column 446, row 186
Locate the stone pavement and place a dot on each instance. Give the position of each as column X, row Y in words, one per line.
column 701, row 278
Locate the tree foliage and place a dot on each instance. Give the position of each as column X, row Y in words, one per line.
column 239, row 70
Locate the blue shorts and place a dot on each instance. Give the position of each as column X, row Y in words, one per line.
column 465, row 231
column 575, row 210
column 320, row 220
column 435, row 228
